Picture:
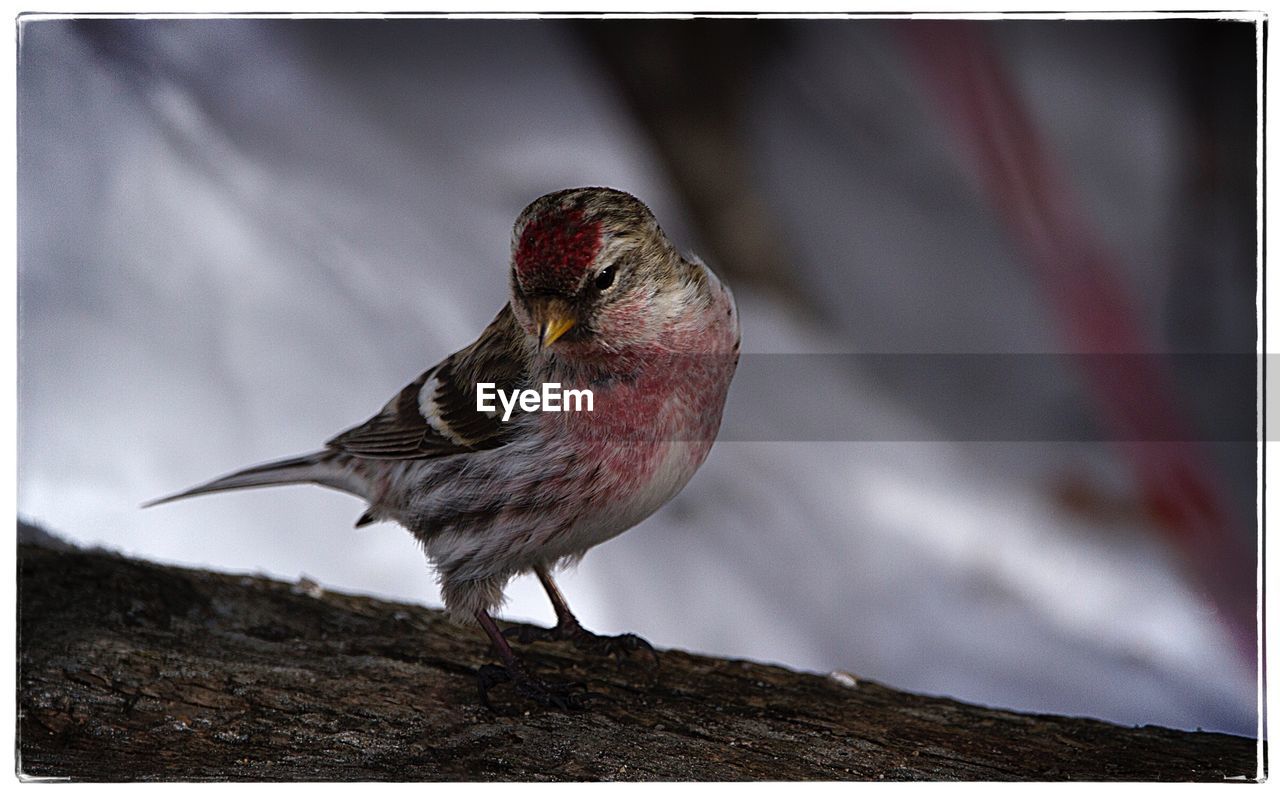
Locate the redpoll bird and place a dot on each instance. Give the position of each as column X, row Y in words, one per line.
column 600, row 300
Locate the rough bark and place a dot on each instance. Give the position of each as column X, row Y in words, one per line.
column 135, row 671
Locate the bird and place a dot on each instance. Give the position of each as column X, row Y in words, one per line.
column 600, row 300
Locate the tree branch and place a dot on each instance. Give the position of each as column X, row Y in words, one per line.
column 134, row 671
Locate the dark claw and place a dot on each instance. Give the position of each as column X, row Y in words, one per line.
column 623, row 647
column 569, row 696
column 489, row 676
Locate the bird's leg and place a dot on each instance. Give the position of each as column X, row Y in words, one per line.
column 621, row 646
column 564, row 696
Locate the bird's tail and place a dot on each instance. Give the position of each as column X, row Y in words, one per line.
column 328, row 468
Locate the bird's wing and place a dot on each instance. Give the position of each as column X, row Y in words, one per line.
column 436, row 414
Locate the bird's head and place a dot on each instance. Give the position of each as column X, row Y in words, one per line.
column 592, row 272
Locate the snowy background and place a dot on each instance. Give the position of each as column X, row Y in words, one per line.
column 238, row 237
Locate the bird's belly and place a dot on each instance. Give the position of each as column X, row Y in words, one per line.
column 648, row 454
column 652, row 474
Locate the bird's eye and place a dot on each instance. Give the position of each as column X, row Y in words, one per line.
column 604, row 279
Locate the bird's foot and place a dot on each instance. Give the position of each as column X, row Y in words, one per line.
column 569, row 697
column 622, row 647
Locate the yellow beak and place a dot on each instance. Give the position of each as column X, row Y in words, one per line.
column 553, row 323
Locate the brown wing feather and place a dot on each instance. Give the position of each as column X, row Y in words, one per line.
column 401, row 431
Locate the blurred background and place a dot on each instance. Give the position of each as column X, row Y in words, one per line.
column 993, row 434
